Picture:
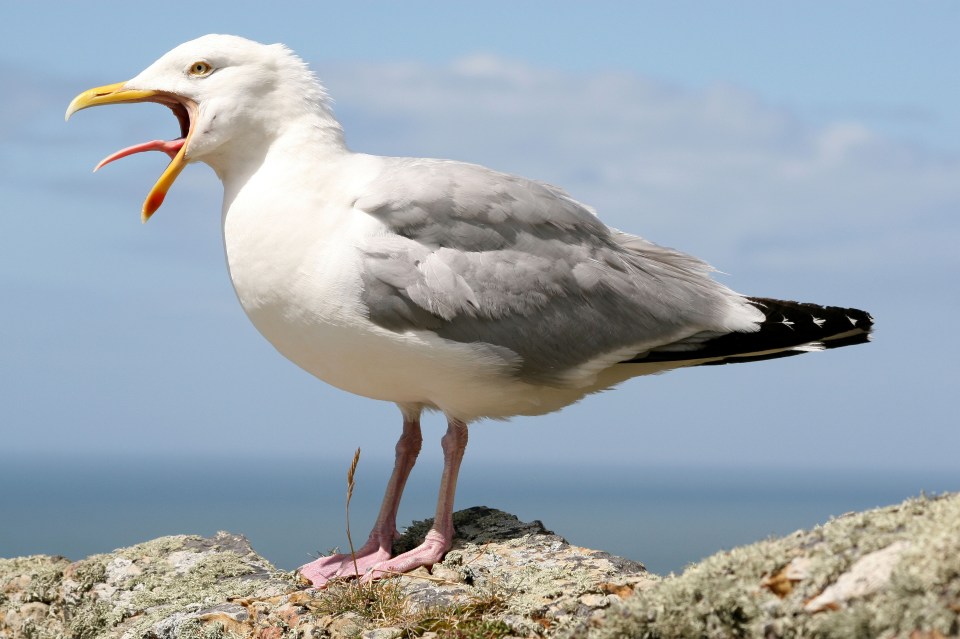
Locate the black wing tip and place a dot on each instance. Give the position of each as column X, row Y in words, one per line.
column 789, row 328
column 855, row 317
column 850, row 340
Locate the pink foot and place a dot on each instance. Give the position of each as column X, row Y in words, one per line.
column 373, row 559
column 430, row 552
column 379, row 545
column 322, row 570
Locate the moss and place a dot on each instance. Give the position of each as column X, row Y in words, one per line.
column 924, row 589
column 723, row 596
column 211, row 580
column 194, row 629
column 383, row 604
column 90, row 571
column 45, row 574
column 380, row 602
column 32, row 630
column 473, row 619
column 90, row 620
column 455, row 628
column 160, row 590
column 158, row 547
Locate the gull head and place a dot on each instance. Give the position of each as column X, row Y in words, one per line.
column 231, row 97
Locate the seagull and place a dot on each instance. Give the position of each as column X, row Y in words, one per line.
column 434, row 284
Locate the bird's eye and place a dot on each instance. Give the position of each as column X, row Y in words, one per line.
column 200, row 68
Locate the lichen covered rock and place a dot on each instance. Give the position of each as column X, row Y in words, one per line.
column 892, row 572
column 503, row 577
column 544, row 583
column 154, row 589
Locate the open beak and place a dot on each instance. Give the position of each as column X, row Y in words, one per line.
column 184, row 109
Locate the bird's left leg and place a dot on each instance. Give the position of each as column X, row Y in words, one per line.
column 440, row 537
column 379, row 544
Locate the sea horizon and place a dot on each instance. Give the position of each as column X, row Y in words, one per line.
column 292, row 509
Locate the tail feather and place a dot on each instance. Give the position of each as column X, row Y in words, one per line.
column 789, row 328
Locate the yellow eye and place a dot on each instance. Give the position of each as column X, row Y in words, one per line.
column 200, row 68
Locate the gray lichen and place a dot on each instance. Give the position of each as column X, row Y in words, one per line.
column 127, row 592
column 893, row 572
column 742, row 593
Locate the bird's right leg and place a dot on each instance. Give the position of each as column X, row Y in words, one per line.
column 439, row 538
column 378, row 546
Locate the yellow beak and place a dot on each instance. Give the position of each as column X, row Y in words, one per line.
column 117, row 94
column 109, row 94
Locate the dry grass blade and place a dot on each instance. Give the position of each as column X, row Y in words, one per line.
column 437, row 580
column 350, row 485
column 380, row 602
column 473, row 619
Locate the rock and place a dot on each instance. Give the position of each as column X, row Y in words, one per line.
column 382, row 633
column 159, row 588
column 502, row 577
column 869, row 574
column 893, row 572
column 539, row 576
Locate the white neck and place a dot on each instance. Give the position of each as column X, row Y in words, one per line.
column 315, row 135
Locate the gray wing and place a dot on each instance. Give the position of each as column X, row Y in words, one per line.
column 481, row 256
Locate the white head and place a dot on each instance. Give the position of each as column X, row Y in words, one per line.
column 231, row 95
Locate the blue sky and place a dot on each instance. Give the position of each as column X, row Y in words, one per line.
column 810, row 151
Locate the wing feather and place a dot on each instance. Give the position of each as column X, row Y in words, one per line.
column 487, row 257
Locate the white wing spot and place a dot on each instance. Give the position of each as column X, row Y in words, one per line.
column 819, row 322
column 852, row 321
column 787, row 322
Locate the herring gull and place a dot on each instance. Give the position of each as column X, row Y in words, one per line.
column 434, row 284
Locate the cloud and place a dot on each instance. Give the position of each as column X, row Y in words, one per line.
column 716, row 171
column 715, row 168
column 828, row 210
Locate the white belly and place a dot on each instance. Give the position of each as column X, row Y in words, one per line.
column 298, row 277
column 314, row 317
column 304, row 297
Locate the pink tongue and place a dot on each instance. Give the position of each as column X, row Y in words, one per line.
column 170, row 147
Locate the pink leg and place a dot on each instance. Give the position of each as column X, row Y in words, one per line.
column 378, row 546
column 440, row 537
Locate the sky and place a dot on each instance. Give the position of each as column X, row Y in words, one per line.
column 809, row 151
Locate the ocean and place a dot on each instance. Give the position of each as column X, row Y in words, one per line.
column 293, row 509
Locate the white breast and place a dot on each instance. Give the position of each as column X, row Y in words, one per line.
column 295, row 267
column 295, row 264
